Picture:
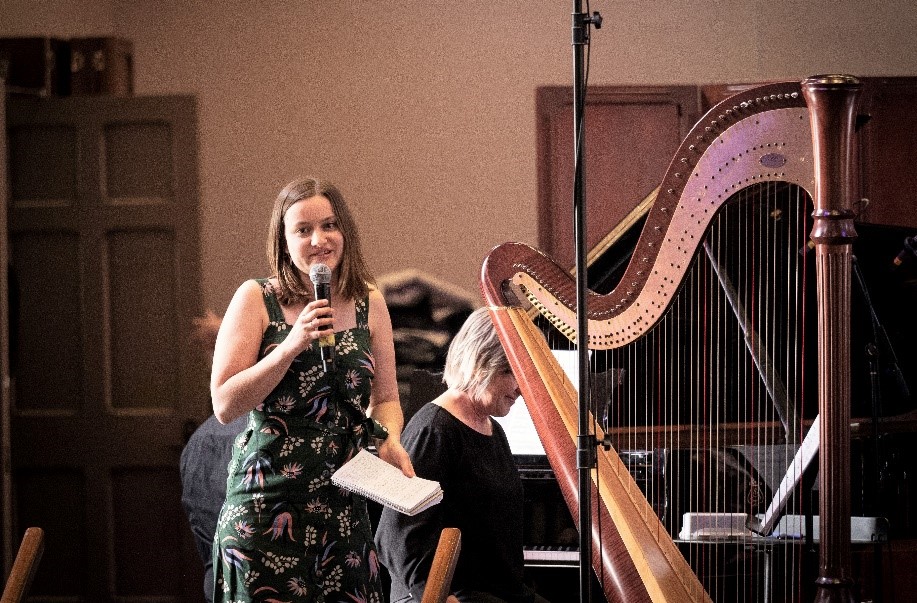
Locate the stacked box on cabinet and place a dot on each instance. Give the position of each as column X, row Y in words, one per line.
column 35, row 66
column 103, row 66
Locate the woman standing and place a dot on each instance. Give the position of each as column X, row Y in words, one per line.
column 285, row 533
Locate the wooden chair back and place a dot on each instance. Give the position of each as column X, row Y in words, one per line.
column 444, row 560
column 24, row 566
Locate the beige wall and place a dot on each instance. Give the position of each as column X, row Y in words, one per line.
column 423, row 111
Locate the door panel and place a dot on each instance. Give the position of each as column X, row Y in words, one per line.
column 55, row 499
column 52, row 308
column 144, row 378
column 147, row 493
column 104, row 248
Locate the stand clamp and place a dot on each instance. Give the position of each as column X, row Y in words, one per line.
column 581, row 23
column 586, row 452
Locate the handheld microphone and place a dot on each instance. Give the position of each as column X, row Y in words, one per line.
column 909, row 249
column 320, row 275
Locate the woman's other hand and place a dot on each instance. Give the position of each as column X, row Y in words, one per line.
column 392, row 452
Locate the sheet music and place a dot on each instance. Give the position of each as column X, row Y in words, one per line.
column 518, row 425
column 569, row 362
column 520, row 430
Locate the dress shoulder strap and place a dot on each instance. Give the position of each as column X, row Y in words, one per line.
column 362, row 311
column 274, row 311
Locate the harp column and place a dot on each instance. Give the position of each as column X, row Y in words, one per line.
column 832, row 101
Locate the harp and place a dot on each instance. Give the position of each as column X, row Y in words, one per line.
column 725, row 335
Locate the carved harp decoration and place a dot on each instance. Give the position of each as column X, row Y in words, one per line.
column 705, row 338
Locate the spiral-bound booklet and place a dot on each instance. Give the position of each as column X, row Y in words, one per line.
column 368, row 475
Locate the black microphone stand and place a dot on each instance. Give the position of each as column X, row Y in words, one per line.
column 879, row 337
column 586, row 442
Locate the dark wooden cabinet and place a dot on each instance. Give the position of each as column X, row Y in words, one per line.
column 887, row 146
column 632, row 134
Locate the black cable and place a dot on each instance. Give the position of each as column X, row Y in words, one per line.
column 581, row 107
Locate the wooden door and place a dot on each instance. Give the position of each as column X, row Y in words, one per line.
column 104, row 253
column 632, row 133
column 6, row 530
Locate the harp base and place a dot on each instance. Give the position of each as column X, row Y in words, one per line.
column 833, row 590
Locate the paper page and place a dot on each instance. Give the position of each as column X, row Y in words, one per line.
column 370, row 476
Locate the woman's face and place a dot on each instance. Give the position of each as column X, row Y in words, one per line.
column 500, row 395
column 312, row 234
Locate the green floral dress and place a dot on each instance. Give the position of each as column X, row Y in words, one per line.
column 285, row 533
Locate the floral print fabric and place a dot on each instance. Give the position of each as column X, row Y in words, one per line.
column 285, row 533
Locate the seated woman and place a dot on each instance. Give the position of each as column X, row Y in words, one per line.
column 454, row 440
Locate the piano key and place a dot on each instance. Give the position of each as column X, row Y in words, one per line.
column 551, row 555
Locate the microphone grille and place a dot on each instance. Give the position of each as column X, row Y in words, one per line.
column 320, row 274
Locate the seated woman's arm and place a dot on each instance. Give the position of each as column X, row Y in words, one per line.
column 407, row 543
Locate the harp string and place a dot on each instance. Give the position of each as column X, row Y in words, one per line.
column 719, row 378
column 661, row 568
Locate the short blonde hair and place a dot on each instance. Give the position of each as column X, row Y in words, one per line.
column 475, row 355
